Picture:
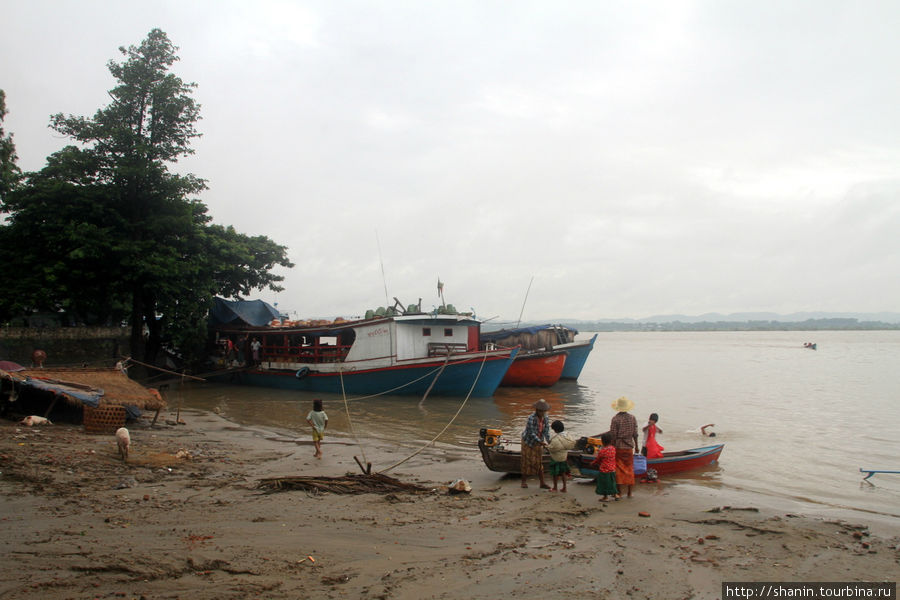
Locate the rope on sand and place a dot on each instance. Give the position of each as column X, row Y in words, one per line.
column 349, row 421
column 447, row 426
column 367, row 469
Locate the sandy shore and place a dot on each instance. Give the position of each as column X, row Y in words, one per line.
column 186, row 518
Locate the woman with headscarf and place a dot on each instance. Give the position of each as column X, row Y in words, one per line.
column 535, row 438
column 624, row 431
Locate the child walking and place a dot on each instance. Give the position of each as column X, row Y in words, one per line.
column 650, row 447
column 559, row 447
column 318, row 420
column 606, row 464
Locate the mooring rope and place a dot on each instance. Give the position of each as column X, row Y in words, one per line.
column 362, row 450
column 347, row 406
column 447, row 426
column 399, row 387
column 434, row 381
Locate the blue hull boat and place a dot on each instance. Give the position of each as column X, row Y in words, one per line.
column 544, row 338
column 398, row 355
column 456, row 379
column 578, row 355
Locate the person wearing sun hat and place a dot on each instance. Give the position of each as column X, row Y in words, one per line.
column 624, row 431
column 535, row 438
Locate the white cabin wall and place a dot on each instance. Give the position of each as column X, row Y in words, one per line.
column 372, row 341
column 412, row 344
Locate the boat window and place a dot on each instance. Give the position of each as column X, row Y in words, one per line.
column 426, row 331
column 448, row 332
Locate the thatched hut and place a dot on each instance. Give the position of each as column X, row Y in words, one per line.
column 105, row 395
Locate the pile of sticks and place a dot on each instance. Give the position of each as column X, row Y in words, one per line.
column 348, row 484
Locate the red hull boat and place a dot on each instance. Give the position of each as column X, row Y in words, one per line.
column 535, row 369
column 670, row 463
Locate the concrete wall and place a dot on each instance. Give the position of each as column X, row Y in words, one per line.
column 65, row 346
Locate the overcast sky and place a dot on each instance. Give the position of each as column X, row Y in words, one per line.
column 634, row 158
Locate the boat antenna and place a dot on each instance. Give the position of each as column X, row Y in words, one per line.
column 524, row 301
column 381, row 260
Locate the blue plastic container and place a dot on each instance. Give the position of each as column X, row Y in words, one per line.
column 640, row 464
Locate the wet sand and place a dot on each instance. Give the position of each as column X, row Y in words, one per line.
column 186, row 518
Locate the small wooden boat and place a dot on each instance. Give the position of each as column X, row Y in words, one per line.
column 670, row 463
column 497, row 457
column 535, row 369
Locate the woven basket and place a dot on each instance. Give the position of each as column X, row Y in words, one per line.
column 103, row 419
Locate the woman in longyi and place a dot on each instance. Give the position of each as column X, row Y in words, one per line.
column 535, row 438
column 624, row 431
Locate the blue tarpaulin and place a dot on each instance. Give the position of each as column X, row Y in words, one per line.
column 242, row 312
column 89, row 396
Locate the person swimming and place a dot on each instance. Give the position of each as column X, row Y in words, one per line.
column 711, row 433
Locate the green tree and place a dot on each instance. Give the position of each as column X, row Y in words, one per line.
column 149, row 125
column 9, row 170
column 59, row 247
column 115, row 226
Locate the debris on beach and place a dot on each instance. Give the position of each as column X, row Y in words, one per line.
column 460, row 486
column 347, row 484
column 719, row 509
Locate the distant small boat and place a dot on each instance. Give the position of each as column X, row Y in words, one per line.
column 810, row 345
column 543, row 338
column 535, row 369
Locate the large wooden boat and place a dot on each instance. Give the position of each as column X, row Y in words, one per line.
column 542, row 338
column 535, row 369
column 398, row 354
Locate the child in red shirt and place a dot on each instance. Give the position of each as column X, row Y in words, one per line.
column 606, row 464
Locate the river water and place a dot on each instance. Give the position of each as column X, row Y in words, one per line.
column 797, row 424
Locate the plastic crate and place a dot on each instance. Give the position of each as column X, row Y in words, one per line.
column 103, row 419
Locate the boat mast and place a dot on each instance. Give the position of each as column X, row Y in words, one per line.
column 524, row 301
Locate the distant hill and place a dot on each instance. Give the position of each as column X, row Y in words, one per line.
column 756, row 321
column 882, row 317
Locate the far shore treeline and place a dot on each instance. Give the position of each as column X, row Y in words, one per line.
column 807, row 325
column 107, row 234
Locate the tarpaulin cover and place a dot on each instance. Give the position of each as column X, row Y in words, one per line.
column 504, row 333
column 242, row 312
column 91, row 397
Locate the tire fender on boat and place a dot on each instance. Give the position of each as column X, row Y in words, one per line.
column 302, row 372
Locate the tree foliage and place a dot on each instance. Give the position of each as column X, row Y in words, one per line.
column 112, row 234
column 9, row 170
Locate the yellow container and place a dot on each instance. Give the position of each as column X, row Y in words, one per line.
column 592, row 445
column 492, row 437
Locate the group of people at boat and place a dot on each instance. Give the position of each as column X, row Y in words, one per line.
column 615, row 457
